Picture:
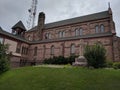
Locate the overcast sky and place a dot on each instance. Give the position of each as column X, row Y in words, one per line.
column 11, row 11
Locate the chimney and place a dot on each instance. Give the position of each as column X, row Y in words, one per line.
column 40, row 26
column 41, row 20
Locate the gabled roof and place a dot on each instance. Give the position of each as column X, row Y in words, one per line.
column 19, row 25
column 95, row 16
column 90, row 17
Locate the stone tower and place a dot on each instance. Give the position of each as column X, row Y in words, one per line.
column 40, row 26
column 19, row 29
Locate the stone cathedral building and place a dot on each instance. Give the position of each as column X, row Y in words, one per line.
column 62, row 38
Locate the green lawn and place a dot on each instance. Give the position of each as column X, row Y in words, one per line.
column 46, row 78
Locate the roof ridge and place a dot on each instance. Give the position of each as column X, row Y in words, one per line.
column 94, row 16
column 78, row 17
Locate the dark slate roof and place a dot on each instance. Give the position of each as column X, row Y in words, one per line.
column 95, row 16
column 19, row 25
column 0, row 28
column 12, row 36
column 73, row 38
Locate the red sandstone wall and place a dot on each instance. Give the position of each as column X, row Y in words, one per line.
column 88, row 28
column 43, row 53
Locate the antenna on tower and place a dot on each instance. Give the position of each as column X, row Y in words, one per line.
column 32, row 14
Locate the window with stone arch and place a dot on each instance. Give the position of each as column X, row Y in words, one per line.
column 29, row 37
column 77, row 32
column 60, row 34
column 72, row 49
column 35, row 51
column 47, row 36
column 52, row 50
column 102, row 28
column 81, row 31
column 63, row 34
column 96, row 29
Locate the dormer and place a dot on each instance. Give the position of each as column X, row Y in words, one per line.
column 19, row 29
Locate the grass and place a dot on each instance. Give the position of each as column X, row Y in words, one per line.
column 46, row 78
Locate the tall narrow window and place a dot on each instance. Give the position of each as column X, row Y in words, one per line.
column 52, row 50
column 26, row 51
column 1, row 40
column 81, row 31
column 60, row 34
column 22, row 50
column 72, row 49
column 35, row 51
column 63, row 34
column 18, row 48
column 29, row 38
column 97, row 29
column 76, row 32
column 47, row 36
column 102, row 28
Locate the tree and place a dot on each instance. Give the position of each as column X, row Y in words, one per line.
column 4, row 59
column 95, row 55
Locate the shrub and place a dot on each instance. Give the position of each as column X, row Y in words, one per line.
column 71, row 59
column 95, row 55
column 109, row 64
column 116, row 65
column 4, row 59
column 59, row 60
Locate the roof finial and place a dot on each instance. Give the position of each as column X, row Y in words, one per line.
column 109, row 8
column 109, row 4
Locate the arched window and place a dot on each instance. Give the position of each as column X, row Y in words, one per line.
column 102, row 28
column 72, row 49
column 97, row 29
column 81, row 31
column 77, row 32
column 60, row 34
column 22, row 50
column 35, row 51
column 47, row 36
column 29, row 38
column 52, row 50
column 63, row 34
column 1, row 40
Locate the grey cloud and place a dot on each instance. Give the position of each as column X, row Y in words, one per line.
column 11, row 11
